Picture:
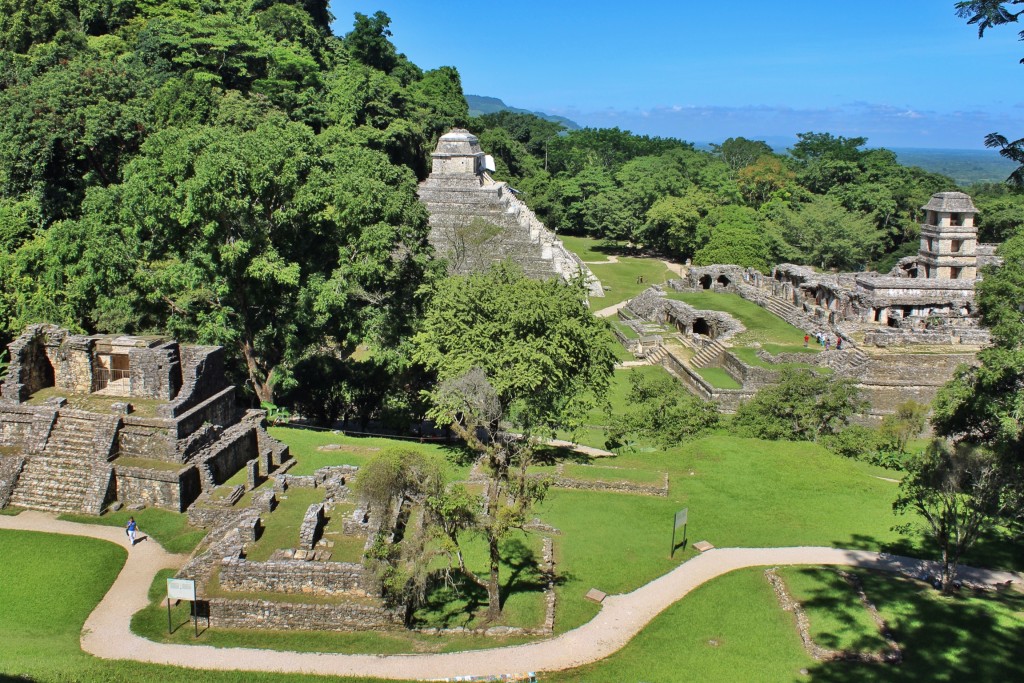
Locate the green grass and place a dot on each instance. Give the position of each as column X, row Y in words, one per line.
column 749, row 356
column 730, row 629
column 763, row 327
column 281, row 527
column 169, row 529
column 627, row 331
column 743, row 492
column 718, row 378
column 590, row 249
column 620, row 279
column 304, row 446
column 597, row 473
column 836, row 617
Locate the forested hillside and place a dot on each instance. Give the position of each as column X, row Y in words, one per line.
column 829, row 202
column 226, row 172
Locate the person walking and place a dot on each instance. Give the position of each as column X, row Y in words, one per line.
column 132, row 529
column 807, row 338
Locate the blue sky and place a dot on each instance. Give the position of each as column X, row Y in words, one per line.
column 903, row 73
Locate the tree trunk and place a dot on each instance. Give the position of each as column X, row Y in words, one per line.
column 263, row 386
column 493, row 592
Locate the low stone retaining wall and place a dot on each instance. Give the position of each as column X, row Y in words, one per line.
column 564, row 482
column 171, row 490
column 10, row 470
column 283, row 616
column 892, row 654
column 296, row 576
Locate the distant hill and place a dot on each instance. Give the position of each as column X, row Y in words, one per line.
column 479, row 104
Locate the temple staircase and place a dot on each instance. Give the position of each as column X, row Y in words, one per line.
column 708, row 355
column 72, row 472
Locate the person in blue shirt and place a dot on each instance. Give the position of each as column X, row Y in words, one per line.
column 131, row 529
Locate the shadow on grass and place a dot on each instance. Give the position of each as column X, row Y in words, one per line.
column 996, row 549
column 968, row 636
column 459, row 605
column 552, row 455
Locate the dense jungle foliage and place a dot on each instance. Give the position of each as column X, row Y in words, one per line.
column 829, row 202
column 226, row 172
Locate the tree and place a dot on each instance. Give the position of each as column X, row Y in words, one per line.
column 801, row 406
column 817, row 146
column 899, row 427
column 765, row 179
column 510, row 351
column 984, row 404
column 740, row 152
column 661, row 410
column 738, row 235
column 960, row 493
column 826, row 234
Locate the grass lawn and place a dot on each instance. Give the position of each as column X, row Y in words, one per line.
column 590, row 249
column 732, row 629
column 742, row 492
column 304, row 446
column 836, row 617
column 169, row 529
column 749, row 356
column 612, row 474
column 620, row 279
column 627, row 331
column 718, row 378
column 281, row 527
column 762, row 326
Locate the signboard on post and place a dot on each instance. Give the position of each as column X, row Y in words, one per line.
column 679, row 521
column 182, row 589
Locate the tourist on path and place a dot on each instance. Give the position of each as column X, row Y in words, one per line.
column 839, row 343
column 131, row 529
column 807, row 338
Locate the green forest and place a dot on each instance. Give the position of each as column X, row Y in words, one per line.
column 232, row 173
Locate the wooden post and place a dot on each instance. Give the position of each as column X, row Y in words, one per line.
column 169, row 616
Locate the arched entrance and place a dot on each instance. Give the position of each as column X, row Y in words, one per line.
column 700, row 326
column 724, row 281
column 36, row 369
column 705, row 282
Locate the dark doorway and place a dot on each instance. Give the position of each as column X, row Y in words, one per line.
column 724, row 281
column 700, row 326
column 37, row 371
column 705, row 282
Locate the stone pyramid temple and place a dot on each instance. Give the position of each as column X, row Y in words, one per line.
column 476, row 221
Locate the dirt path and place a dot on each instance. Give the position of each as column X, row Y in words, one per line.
column 610, row 310
column 107, row 631
column 611, row 258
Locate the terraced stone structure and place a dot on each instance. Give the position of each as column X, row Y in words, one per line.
column 87, row 420
column 476, row 221
column 903, row 333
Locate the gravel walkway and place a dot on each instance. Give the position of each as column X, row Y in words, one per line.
column 107, row 631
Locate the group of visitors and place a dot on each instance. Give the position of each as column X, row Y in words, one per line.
column 824, row 341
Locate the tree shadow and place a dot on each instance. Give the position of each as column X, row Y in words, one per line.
column 966, row 636
column 524, row 574
column 552, row 455
column 458, row 453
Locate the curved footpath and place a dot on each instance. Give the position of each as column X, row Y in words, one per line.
column 107, row 633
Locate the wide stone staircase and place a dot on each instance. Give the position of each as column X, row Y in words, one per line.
column 708, row 355
column 72, row 473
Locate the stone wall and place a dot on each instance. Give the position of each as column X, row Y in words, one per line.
column 155, row 372
column 727, row 400
column 158, row 488
column 236, row 446
column 296, row 576
column 202, row 375
column 10, row 468
column 312, row 526
column 890, row 379
column 262, row 614
column 219, row 409
column 147, row 438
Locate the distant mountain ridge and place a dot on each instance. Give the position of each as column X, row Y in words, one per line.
column 481, row 104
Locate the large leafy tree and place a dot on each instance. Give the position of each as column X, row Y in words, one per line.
column 515, row 360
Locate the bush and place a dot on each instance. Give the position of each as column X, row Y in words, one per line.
column 852, row 441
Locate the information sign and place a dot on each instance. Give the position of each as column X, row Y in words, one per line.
column 181, row 589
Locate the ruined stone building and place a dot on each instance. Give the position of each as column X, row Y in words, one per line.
column 87, row 420
column 476, row 221
column 904, row 333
